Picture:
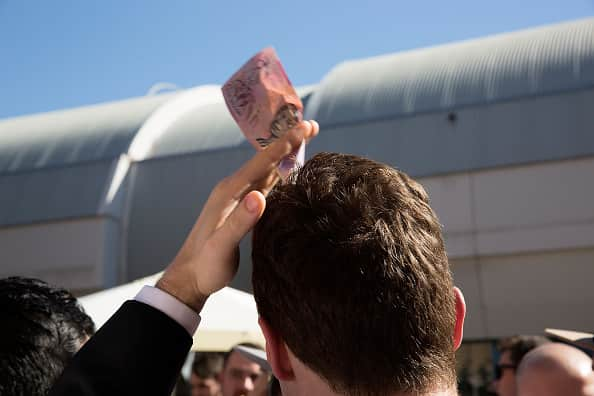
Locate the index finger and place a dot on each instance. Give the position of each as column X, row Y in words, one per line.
column 260, row 172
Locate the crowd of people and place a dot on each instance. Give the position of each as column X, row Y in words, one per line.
column 536, row 366
column 231, row 374
column 352, row 284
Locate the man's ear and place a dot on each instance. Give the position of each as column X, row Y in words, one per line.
column 460, row 314
column 276, row 353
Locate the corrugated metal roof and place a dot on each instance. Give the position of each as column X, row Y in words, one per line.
column 73, row 136
column 64, row 164
column 205, row 128
column 526, row 63
column 59, row 165
column 211, row 127
column 55, row 193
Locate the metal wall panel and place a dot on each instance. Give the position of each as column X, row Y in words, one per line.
column 504, row 134
column 78, row 254
column 524, row 294
column 53, row 194
column 167, row 196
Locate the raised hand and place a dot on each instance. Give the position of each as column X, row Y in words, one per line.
column 209, row 257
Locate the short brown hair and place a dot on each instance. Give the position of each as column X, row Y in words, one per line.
column 349, row 267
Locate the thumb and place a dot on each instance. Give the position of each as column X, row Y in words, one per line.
column 220, row 251
column 239, row 223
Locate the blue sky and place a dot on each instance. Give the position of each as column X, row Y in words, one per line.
column 61, row 54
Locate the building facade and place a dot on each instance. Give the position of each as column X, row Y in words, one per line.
column 500, row 131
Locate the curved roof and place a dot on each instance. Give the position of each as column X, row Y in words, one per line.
column 74, row 136
column 497, row 68
column 48, row 159
column 205, row 127
column 59, row 165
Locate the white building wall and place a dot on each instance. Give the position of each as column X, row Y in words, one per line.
column 521, row 243
column 79, row 255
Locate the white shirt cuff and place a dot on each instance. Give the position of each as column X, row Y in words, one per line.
column 170, row 306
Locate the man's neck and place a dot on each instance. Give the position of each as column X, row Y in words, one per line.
column 320, row 388
column 308, row 392
column 305, row 383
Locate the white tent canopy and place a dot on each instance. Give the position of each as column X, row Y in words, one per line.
column 229, row 316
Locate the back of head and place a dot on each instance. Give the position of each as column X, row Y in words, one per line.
column 42, row 328
column 349, row 267
column 555, row 369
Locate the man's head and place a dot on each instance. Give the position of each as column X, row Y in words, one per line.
column 42, row 328
column 239, row 373
column 352, row 281
column 511, row 352
column 205, row 371
column 555, row 369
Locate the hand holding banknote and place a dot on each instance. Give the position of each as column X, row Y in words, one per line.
column 209, row 257
column 264, row 104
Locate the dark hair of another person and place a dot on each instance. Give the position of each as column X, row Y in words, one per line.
column 520, row 345
column 207, row 364
column 42, row 327
column 349, row 267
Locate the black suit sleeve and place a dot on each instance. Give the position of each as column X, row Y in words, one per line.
column 139, row 351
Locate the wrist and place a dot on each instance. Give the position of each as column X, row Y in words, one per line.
column 182, row 291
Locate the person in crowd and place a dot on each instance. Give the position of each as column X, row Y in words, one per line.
column 239, row 374
column 143, row 346
column 511, row 352
column 353, row 285
column 206, row 369
column 579, row 339
column 555, row 369
column 350, row 276
column 42, row 327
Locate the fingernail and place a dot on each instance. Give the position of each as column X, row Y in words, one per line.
column 251, row 203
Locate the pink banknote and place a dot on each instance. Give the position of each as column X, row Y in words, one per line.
column 264, row 104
